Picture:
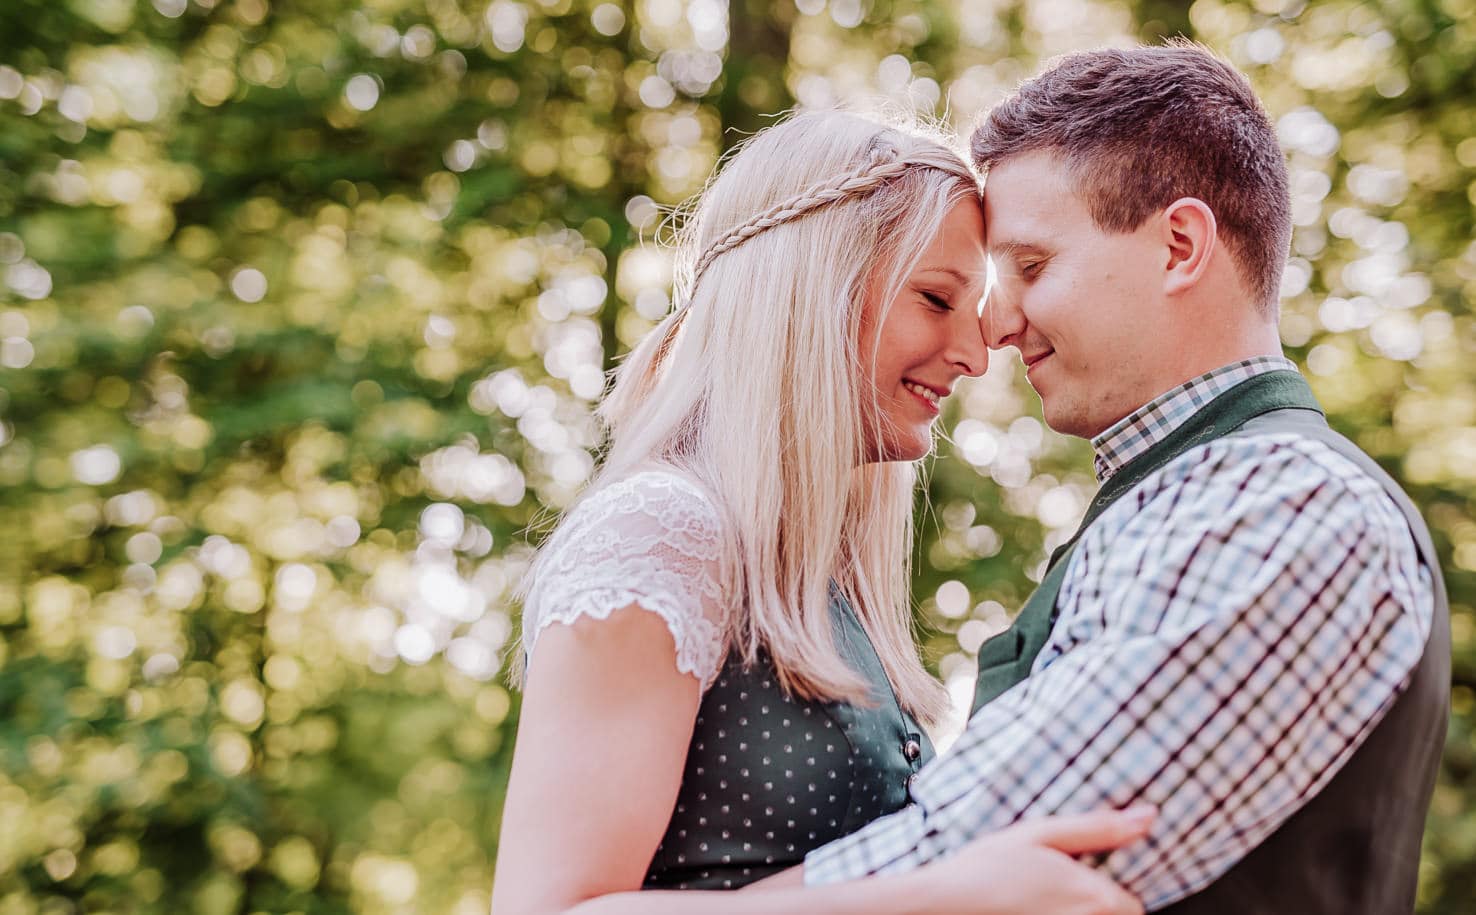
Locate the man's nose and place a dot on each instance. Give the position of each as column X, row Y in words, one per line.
column 1001, row 320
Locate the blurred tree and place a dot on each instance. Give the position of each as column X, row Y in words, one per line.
column 303, row 308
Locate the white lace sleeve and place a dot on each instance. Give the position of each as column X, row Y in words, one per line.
column 653, row 539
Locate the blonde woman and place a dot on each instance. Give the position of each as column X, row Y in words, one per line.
column 721, row 674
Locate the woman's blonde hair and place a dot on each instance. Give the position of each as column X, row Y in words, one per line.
column 754, row 387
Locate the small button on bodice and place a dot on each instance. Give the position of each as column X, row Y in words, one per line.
column 912, row 750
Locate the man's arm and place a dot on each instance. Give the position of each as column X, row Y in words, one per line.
column 1259, row 608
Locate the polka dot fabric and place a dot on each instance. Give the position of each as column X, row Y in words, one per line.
column 768, row 778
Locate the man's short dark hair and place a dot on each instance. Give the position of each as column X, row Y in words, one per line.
column 1144, row 127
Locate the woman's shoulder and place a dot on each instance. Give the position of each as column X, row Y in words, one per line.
column 653, row 539
column 638, row 510
column 654, row 489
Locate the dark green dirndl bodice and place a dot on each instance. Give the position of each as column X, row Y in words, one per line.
column 769, row 777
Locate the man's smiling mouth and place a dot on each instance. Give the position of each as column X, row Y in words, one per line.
column 1033, row 360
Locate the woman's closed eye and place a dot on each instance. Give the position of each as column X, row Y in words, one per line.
column 936, row 300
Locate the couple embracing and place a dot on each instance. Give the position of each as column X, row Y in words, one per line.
column 1228, row 693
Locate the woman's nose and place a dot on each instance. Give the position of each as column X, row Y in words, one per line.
column 970, row 350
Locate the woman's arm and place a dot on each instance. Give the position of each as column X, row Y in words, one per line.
column 606, row 721
column 601, row 744
column 1027, row 869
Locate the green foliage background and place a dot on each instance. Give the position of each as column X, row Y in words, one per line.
column 303, row 306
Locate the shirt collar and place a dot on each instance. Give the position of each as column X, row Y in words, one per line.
column 1147, row 425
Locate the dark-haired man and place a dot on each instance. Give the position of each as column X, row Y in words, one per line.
column 1249, row 629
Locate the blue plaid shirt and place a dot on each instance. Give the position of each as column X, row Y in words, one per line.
column 1229, row 632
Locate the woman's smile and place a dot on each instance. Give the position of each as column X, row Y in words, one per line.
column 928, row 397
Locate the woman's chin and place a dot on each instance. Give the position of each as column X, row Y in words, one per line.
column 911, row 449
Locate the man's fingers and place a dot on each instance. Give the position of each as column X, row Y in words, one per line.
column 1100, row 830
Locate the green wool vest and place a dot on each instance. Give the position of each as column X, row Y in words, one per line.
column 1354, row 848
column 1006, row 658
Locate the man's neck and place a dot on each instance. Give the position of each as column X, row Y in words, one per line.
column 1160, row 415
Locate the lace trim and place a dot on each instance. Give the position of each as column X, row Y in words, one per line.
column 653, row 540
column 698, row 642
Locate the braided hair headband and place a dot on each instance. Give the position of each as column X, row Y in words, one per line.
column 817, row 195
column 884, row 166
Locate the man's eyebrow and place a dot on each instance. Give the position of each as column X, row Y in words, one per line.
column 1015, row 249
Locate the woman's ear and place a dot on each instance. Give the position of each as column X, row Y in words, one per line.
column 1189, row 232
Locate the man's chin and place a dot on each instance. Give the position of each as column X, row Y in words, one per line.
column 1062, row 418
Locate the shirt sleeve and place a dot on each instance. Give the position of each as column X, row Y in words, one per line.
column 654, row 540
column 1260, row 607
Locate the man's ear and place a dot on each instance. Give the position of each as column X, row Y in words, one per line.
column 1190, row 233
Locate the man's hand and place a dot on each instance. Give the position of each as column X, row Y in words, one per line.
column 1030, row 867
column 1026, row 869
